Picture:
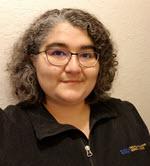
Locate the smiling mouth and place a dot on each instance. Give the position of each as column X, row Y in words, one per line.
column 72, row 81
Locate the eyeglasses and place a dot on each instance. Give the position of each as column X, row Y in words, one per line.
column 60, row 57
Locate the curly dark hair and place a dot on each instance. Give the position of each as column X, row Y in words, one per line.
column 22, row 72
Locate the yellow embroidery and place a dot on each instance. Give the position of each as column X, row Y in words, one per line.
column 137, row 147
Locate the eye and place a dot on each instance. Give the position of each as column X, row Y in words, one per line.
column 57, row 53
column 87, row 55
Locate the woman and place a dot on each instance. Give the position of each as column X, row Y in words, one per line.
column 61, row 70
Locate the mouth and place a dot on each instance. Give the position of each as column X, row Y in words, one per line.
column 72, row 81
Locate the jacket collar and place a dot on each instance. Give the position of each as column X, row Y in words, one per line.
column 45, row 125
column 103, row 111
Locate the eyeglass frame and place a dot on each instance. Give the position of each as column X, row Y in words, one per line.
column 70, row 55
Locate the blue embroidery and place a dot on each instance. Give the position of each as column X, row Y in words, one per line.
column 125, row 151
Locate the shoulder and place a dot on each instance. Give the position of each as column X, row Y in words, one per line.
column 14, row 118
column 12, row 113
column 128, row 117
column 118, row 106
column 121, row 107
column 15, row 128
column 124, row 109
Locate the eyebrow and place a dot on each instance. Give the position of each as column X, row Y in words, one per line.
column 57, row 44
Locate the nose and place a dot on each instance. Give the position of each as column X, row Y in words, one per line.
column 73, row 66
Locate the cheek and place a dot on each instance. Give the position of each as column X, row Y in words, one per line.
column 93, row 74
column 46, row 74
column 47, row 77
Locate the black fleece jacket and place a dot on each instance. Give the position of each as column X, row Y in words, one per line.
column 31, row 136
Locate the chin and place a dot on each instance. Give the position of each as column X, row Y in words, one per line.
column 74, row 96
column 73, row 100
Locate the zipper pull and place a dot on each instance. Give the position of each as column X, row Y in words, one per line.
column 88, row 151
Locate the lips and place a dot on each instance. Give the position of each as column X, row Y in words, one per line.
column 71, row 81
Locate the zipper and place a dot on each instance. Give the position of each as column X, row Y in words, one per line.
column 87, row 147
column 88, row 151
column 89, row 154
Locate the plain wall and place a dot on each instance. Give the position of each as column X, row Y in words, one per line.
column 127, row 20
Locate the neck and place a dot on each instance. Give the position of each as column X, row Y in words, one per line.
column 76, row 115
column 66, row 111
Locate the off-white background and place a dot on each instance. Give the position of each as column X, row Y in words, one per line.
column 129, row 24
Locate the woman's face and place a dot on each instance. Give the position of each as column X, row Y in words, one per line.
column 71, row 83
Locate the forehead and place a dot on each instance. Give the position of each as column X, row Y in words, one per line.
column 71, row 36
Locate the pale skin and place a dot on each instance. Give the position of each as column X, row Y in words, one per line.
column 66, row 87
